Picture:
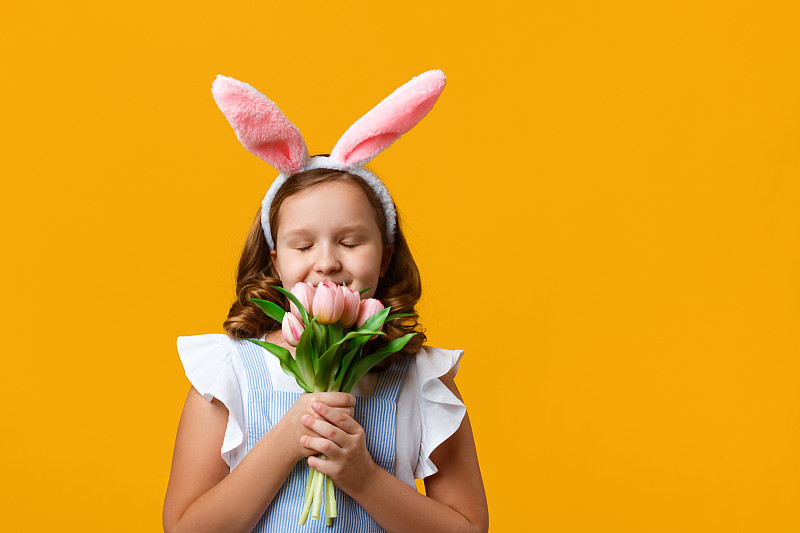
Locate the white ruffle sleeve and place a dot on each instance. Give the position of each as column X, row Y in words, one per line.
column 440, row 411
column 209, row 365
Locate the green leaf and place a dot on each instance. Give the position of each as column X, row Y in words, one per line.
column 272, row 309
column 398, row 315
column 344, row 366
column 354, row 347
column 326, row 368
column 328, row 364
column 288, row 364
column 366, row 363
column 375, row 322
column 365, row 333
column 319, row 338
column 304, row 356
column 337, row 331
column 295, row 301
column 360, row 338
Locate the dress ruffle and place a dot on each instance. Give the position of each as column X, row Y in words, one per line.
column 440, row 411
column 209, row 366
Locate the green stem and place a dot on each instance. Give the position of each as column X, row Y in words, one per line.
column 317, row 497
column 328, row 518
column 330, row 498
column 309, row 496
column 307, row 493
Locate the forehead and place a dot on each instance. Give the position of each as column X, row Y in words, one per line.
column 335, row 202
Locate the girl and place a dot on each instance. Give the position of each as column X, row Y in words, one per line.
column 247, row 433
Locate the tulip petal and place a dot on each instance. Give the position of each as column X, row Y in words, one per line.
column 305, row 294
column 323, row 304
column 294, row 300
column 352, row 303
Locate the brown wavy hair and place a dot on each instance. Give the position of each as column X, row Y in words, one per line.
column 400, row 288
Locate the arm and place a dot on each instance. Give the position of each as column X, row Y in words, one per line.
column 455, row 499
column 203, row 495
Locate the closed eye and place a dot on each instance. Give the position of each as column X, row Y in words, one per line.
column 303, row 248
column 348, row 245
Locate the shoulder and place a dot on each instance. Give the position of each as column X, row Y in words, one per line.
column 196, row 405
column 208, row 338
column 437, row 403
column 194, row 347
column 433, row 351
column 441, row 363
column 205, row 358
column 213, row 367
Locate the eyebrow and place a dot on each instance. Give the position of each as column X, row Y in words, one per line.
column 302, row 232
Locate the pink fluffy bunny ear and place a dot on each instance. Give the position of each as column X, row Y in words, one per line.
column 260, row 126
column 387, row 121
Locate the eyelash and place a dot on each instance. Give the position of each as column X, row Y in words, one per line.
column 306, row 248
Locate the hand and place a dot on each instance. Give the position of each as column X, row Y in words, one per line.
column 293, row 429
column 337, row 435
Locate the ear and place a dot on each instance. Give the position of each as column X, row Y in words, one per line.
column 387, row 121
column 273, row 256
column 386, row 259
column 259, row 125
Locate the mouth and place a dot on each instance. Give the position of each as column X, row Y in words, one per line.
column 346, row 283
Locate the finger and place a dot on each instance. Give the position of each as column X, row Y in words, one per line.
column 336, row 417
column 335, row 399
column 346, row 410
column 328, row 436
column 349, row 411
column 322, row 465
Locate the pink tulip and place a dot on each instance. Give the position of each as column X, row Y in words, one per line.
column 351, row 304
column 328, row 302
column 305, row 293
column 292, row 327
column 366, row 309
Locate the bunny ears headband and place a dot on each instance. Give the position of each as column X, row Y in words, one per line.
column 266, row 132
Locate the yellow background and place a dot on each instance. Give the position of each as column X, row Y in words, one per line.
column 603, row 204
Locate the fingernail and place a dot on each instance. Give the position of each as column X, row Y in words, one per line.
column 304, row 419
column 303, row 440
column 316, row 406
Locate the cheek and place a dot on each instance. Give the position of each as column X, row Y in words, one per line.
column 371, row 264
column 289, row 269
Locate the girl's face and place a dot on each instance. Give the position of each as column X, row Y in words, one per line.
column 329, row 232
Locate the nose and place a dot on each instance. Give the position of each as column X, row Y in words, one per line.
column 327, row 260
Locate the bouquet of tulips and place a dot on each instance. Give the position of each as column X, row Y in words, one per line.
column 329, row 325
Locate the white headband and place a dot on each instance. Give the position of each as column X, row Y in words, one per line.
column 326, row 162
column 265, row 131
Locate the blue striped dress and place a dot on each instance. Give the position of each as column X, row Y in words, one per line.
column 266, row 406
